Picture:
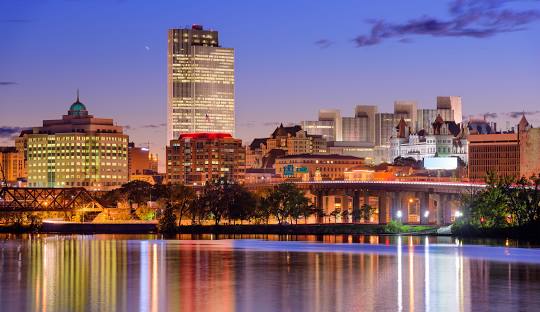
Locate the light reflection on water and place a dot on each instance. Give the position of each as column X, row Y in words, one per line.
column 330, row 273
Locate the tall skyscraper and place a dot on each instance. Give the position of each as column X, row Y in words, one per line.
column 200, row 83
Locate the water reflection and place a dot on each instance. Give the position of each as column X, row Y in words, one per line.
column 120, row 273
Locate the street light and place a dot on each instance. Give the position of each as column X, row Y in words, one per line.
column 458, row 214
column 426, row 214
column 399, row 214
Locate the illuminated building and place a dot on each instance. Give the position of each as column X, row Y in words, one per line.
column 196, row 158
column 262, row 152
column 529, row 149
column 141, row 161
column 328, row 125
column 77, row 150
column 512, row 153
column 309, row 167
column 446, row 139
column 11, row 165
column 200, row 83
column 498, row 152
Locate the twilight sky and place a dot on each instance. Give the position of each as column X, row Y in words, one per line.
column 292, row 58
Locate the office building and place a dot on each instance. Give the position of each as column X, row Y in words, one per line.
column 310, row 167
column 328, row 126
column 11, row 166
column 529, row 149
column 196, row 158
column 200, row 83
column 452, row 103
column 406, row 110
column 141, row 161
column 498, row 152
column 78, row 150
column 293, row 140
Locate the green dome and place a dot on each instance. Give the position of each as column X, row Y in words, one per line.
column 77, row 107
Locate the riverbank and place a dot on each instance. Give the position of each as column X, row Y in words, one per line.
column 288, row 229
column 530, row 232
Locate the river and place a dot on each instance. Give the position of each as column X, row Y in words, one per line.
column 265, row 273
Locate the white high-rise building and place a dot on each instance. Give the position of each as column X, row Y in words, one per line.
column 200, row 83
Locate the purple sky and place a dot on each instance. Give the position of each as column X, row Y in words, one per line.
column 292, row 58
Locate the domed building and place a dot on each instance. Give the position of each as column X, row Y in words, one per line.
column 78, row 150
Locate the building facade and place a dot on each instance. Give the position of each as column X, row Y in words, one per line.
column 12, row 165
column 78, row 150
column 452, row 103
column 141, row 161
column 310, row 167
column 200, row 83
column 446, row 139
column 498, row 152
column 529, row 152
column 293, row 140
column 195, row 158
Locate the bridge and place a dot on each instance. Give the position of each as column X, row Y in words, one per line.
column 411, row 202
column 26, row 199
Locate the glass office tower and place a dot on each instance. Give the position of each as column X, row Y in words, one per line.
column 200, row 83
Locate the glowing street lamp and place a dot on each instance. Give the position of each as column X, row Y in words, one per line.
column 399, row 214
column 458, row 214
column 426, row 214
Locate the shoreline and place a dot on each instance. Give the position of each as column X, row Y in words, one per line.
column 280, row 229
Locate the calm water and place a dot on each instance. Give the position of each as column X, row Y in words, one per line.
column 307, row 273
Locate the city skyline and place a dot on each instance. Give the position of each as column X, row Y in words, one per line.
column 311, row 68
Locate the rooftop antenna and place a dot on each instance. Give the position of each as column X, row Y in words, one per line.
column 77, row 94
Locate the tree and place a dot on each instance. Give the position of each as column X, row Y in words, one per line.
column 167, row 222
column 286, row 201
column 262, row 211
column 335, row 213
column 366, row 211
column 180, row 198
column 241, row 203
column 138, row 192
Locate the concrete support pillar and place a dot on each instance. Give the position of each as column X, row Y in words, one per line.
column 424, row 207
column 404, row 201
column 356, row 206
column 397, row 205
column 447, row 208
column 382, row 207
column 365, row 196
column 441, row 198
column 320, row 206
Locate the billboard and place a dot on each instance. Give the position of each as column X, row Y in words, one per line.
column 288, row 171
column 440, row 163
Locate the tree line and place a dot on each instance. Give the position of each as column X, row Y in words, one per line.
column 505, row 202
column 221, row 201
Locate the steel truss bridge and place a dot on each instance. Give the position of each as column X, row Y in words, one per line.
column 15, row 199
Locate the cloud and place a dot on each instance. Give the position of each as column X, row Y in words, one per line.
column 519, row 114
column 491, row 115
column 324, row 43
column 7, row 132
column 468, row 18
column 153, row 126
column 7, row 83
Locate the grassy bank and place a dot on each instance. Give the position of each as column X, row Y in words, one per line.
column 530, row 232
column 302, row 229
column 289, row 229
